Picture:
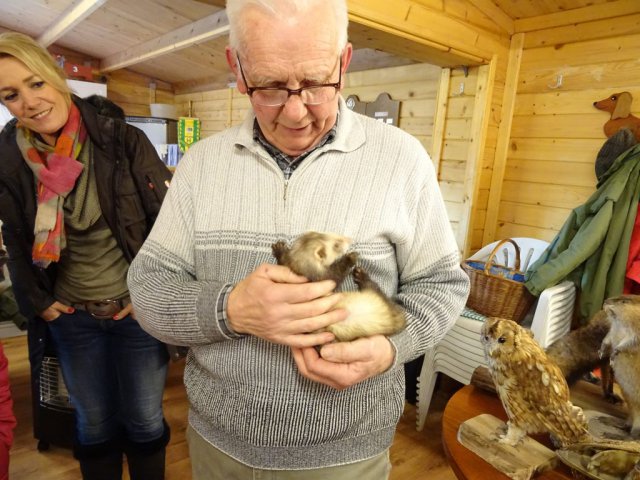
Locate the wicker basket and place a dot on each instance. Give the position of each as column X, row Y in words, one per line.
column 494, row 292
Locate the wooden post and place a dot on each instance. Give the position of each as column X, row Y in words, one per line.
column 504, row 135
column 475, row 155
column 439, row 119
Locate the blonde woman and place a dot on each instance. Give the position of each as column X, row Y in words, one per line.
column 79, row 193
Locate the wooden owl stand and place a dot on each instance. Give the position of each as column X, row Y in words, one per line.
column 521, row 462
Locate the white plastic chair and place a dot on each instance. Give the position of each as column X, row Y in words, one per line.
column 460, row 352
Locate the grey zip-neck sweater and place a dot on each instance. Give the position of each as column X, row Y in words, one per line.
column 228, row 202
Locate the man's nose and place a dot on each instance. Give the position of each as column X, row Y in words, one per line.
column 294, row 107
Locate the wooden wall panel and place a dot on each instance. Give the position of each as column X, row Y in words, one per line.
column 556, row 132
column 456, row 143
column 135, row 92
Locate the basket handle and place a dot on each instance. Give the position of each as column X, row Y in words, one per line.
column 494, row 252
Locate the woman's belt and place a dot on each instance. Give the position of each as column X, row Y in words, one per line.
column 101, row 309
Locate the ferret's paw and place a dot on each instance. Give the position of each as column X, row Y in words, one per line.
column 360, row 276
column 279, row 249
column 352, row 257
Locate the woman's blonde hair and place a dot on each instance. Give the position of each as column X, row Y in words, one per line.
column 36, row 58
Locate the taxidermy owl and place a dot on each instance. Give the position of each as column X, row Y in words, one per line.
column 531, row 387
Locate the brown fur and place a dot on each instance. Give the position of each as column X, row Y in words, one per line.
column 578, row 353
column 622, row 344
column 322, row 256
column 619, row 106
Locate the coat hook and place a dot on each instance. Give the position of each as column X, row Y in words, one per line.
column 460, row 91
column 558, row 82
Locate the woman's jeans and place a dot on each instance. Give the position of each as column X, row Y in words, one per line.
column 115, row 374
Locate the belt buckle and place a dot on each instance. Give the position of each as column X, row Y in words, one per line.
column 103, row 309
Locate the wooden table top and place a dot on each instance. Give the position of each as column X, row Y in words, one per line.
column 467, row 403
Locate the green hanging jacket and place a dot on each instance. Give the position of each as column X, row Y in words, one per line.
column 592, row 247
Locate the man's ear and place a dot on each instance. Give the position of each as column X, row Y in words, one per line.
column 232, row 61
column 347, row 54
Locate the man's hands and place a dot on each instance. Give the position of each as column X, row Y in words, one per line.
column 277, row 305
column 343, row 364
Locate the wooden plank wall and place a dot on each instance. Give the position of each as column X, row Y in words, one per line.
column 216, row 109
column 456, row 141
column 556, row 132
column 414, row 85
column 465, row 168
column 134, row 92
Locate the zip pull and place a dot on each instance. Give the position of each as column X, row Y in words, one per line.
column 286, row 185
column 149, row 183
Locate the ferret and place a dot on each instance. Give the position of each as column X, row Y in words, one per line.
column 323, row 256
column 622, row 345
column 578, row 353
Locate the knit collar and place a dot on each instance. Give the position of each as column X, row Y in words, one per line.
column 349, row 134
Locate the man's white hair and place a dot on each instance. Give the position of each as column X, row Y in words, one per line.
column 282, row 8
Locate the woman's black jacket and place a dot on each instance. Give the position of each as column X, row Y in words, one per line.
column 131, row 182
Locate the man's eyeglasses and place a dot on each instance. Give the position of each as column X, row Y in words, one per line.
column 278, row 96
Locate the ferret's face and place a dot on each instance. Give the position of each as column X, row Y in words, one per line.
column 327, row 247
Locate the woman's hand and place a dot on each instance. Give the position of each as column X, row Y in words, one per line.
column 128, row 310
column 55, row 310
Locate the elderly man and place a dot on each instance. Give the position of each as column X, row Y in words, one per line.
column 269, row 390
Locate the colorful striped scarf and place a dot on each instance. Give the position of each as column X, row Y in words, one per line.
column 56, row 171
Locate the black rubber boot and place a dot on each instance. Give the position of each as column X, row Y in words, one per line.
column 146, row 460
column 107, row 467
column 146, row 466
column 100, row 462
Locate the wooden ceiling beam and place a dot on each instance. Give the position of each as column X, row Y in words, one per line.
column 73, row 15
column 495, row 13
column 215, row 3
column 200, row 31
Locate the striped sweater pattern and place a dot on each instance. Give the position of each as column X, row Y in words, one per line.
column 227, row 204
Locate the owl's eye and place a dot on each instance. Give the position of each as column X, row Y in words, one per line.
column 502, row 340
